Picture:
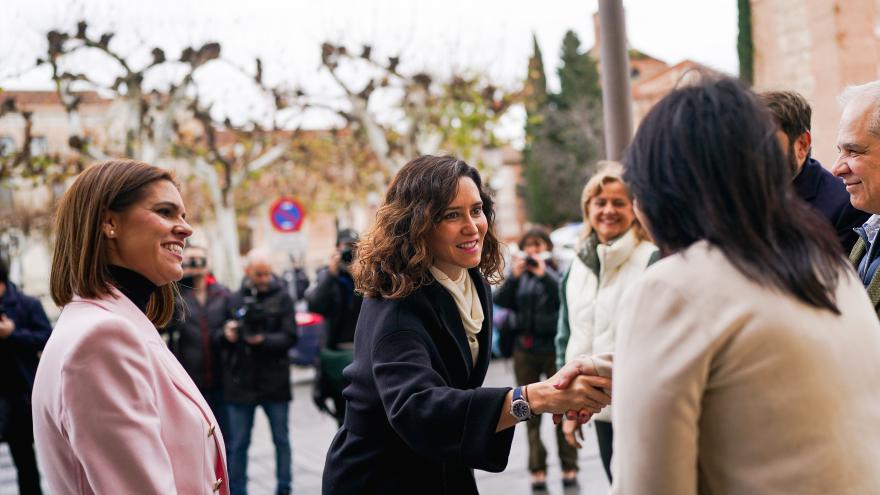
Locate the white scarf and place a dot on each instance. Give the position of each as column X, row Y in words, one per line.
column 464, row 293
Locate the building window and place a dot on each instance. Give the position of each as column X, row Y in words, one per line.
column 7, row 146
column 39, row 146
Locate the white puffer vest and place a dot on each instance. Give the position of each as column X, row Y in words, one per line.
column 593, row 301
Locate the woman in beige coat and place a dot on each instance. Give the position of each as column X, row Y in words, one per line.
column 751, row 363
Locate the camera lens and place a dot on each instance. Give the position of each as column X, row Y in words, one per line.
column 347, row 255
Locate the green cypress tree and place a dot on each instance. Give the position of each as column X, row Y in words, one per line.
column 744, row 45
column 536, row 80
column 578, row 74
column 538, row 198
column 563, row 135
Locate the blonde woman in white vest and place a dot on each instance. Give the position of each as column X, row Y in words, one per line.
column 613, row 252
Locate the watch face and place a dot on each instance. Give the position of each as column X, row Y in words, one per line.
column 520, row 410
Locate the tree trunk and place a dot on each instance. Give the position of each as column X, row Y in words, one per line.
column 227, row 227
column 229, row 267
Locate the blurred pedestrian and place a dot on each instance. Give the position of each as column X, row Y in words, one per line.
column 197, row 330
column 334, row 298
column 333, row 295
column 811, row 181
column 24, row 330
column 257, row 337
column 296, row 280
column 114, row 412
column 417, row 418
column 531, row 292
column 612, row 254
column 749, row 329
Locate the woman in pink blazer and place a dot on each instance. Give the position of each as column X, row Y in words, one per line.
column 114, row 412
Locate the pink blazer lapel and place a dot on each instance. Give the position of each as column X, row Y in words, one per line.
column 123, row 307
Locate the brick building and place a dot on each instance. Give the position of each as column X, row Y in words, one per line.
column 650, row 78
column 816, row 47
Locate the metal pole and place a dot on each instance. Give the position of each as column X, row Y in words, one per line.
column 616, row 95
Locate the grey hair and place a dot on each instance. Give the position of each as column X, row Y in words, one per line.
column 868, row 90
column 255, row 256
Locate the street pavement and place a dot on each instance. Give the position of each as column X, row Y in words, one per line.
column 312, row 431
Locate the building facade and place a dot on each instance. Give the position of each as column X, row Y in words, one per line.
column 817, row 48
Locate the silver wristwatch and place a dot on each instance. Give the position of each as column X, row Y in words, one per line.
column 519, row 407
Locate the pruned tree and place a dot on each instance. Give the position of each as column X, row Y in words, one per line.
column 422, row 114
column 169, row 120
column 23, row 169
column 149, row 114
column 226, row 158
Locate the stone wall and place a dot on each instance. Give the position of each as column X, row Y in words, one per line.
column 816, row 47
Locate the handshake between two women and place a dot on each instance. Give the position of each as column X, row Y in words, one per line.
column 579, row 390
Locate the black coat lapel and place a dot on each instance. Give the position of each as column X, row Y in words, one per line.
column 450, row 319
column 441, row 303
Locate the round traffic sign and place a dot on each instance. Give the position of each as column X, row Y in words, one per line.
column 286, row 215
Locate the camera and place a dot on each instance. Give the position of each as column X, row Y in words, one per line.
column 532, row 262
column 252, row 316
column 347, row 255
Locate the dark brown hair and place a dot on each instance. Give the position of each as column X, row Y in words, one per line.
column 393, row 257
column 538, row 232
column 705, row 165
column 791, row 111
column 80, row 258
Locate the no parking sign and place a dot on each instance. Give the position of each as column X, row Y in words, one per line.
column 286, row 215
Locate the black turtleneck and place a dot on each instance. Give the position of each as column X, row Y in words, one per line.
column 134, row 285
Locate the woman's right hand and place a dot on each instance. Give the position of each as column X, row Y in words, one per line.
column 572, row 431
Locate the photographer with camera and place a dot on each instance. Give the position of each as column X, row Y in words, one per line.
column 196, row 332
column 24, row 330
column 258, row 336
column 531, row 292
column 334, row 298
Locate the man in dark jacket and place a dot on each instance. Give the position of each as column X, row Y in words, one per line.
column 812, row 182
column 197, row 330
column 256, row 368
column 334, row 298
column 24, row 330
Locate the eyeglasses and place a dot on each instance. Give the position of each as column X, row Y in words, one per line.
column 195, row 263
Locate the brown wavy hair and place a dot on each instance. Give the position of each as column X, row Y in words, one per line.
column 393, row 258
column 80, row 260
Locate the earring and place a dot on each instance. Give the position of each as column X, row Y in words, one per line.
column 112, row 233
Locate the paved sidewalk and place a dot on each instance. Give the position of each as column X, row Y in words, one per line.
column 311, row 433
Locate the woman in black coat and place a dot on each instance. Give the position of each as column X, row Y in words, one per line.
column 417, row 420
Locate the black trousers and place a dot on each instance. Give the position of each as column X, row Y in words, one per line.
column 20, row 437
column 605, row 435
